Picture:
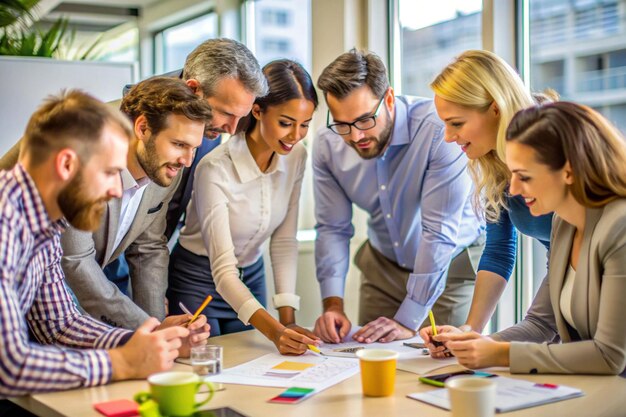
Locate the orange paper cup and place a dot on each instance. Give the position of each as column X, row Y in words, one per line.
column 378, row 371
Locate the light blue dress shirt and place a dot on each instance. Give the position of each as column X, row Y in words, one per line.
column 417, row 195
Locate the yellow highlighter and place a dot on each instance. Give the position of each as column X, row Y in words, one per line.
column 315, row 349
column 431, row 317
column 432, row 322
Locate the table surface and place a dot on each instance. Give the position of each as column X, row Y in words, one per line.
column 604, row 395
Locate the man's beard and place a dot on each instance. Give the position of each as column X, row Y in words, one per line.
column 80, row 211
column 149, row 162
column 380, row 143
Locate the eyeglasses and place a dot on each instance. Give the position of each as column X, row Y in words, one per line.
column 363, row 123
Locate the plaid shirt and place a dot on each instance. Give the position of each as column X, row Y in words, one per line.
column 71, row 350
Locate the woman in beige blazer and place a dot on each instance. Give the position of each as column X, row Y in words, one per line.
column 568, row 159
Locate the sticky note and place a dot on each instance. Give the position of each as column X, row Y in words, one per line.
column 297, row 392
column 292, row 395
column 293, row 366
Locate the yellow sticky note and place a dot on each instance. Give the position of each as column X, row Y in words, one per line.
column 293, row 366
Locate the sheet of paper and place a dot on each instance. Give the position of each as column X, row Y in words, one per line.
column 409, row 359
column 405, row 352
column 307, row 371
column 511, row 394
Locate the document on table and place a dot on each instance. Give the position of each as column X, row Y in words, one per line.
column 511, row 394
column 350, row 346
column 410, row 359
column 274, row 370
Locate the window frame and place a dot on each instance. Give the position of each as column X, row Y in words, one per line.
column 158, row 38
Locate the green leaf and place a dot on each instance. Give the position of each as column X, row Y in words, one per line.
column 12, row 11
column 16, row 38
column 91, row 52
column 52, row 39
column 26, row 45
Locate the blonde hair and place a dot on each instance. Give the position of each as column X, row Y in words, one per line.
column 475, row 80
column 569, row 132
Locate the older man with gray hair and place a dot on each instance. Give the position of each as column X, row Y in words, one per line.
column 228, row 76
column 226, row 73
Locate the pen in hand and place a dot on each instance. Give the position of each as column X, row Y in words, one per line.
column 434, row 328
column 195, row 315
column 447, row 353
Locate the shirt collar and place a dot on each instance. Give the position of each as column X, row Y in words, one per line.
column 34, row 209
column 128, row 182
column 244, row 163
column 400, row 134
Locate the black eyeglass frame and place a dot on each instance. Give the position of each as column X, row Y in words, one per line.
column 373, row 117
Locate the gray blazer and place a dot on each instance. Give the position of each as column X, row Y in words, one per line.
column 85, row 254
column 597, row 345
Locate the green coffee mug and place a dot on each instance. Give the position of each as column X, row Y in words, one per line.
column 175, row 393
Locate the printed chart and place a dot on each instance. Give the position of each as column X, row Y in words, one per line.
column 273, row 370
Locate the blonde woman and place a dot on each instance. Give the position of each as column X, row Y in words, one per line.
column 476, row 96
column 567, row 159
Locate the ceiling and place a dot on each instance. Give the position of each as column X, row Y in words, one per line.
column 92, row 15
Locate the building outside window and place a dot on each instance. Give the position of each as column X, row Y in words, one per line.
column 276, row 17
column 583, row 56
column 432, row 36
column 279, row 29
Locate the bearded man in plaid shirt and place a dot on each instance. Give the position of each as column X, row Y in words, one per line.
column 73, row 151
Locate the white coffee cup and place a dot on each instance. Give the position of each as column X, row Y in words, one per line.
column 472, row 396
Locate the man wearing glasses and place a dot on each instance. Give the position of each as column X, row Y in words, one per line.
column 423, row 235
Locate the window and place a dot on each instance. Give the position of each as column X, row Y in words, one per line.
column 279, row 29
column 431, row 37
column 276, row 46
column 276, row 17
column 583, row 57
column 577, row 48
column 172, row 45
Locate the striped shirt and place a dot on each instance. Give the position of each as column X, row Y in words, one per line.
column 70, row 352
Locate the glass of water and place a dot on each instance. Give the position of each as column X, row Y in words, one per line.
column 206, row 360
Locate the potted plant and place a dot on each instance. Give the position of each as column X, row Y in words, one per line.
column 18, row 39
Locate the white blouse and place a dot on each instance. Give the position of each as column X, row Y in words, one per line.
column 565, row 302
column 234, row 209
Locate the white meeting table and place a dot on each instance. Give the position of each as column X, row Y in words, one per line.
column 604, row 395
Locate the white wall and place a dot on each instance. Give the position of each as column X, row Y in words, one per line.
column 25, row 82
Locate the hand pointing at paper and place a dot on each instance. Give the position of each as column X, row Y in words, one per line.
column 383, row 330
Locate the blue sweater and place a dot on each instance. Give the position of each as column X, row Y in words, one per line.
column 501, row 244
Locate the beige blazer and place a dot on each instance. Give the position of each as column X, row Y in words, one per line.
column 597, row 343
